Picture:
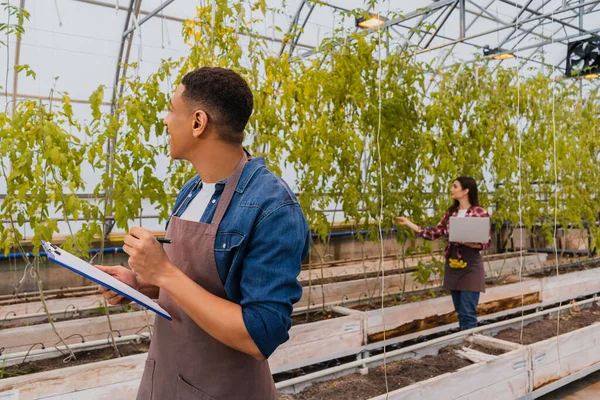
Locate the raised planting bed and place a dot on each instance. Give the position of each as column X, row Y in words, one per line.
column 557, row 360
column 65, row 292
column 345, row 289
column 319, row 341
column 425, row 315
column 447, row 368
column 116, row 379
column 552, row 325
column 22, row 339
column 81, row 358
column 400, row 373
column 33, row 313
column 497, row 368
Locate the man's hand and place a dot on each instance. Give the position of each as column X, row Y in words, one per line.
column 147, row 257
column 124, row 275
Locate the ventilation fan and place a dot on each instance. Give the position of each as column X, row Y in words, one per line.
column 583, row 57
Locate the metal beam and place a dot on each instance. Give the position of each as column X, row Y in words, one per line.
column 435, row 24
column 48, row 98
column 479, row 47
column 551, row 17
column 537, row 45
column 486, row 12
column 292, row 25
column 437, row 29
column 557, row 66
column 491, row 31
column 421, row 11
column 295, row 41
column 181, row 20
column 147, row 17
column 524, row 34
column 516, row 20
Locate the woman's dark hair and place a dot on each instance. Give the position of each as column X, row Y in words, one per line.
column 466, row 182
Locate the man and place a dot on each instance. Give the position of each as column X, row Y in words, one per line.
column 229, row 278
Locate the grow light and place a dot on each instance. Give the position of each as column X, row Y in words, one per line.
column 372, row 22
column 504, row 56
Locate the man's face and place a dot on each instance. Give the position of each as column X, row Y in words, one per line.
column 180, row 125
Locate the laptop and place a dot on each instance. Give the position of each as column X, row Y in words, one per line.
column 469, row 229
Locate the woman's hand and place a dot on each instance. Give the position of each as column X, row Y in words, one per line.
column 402, row 221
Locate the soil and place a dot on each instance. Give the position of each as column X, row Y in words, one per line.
column 375, row 303
column 399, row 374
column 33, row 298
column 314, row 317
column 68, row 316
column 547, row 328
column 91, row 356
column 561, row 270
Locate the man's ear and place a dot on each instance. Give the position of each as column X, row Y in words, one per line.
column 199, row 123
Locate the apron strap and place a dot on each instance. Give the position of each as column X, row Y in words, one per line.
column 227, row 195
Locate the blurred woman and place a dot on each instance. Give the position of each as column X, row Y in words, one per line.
column 463, row 272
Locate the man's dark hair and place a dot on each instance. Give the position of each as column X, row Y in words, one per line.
column 224, row 96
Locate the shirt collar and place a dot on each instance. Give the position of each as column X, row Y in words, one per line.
column 249, row 170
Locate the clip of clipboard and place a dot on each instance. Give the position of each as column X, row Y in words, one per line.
column 87, row 270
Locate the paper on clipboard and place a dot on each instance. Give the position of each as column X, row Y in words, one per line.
column 87, row 270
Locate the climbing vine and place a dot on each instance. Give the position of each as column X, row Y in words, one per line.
column 318, row 116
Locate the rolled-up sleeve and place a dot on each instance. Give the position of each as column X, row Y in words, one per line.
column 269, row 284
column 441, row 229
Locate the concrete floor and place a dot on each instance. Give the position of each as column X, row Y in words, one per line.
column 587, row 388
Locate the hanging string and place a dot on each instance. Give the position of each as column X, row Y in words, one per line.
column 58, row 14
column 519, row 173
column 555, row 162
column 380, row 219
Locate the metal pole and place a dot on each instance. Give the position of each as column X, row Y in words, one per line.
column 148, row 16
column 437, row 29
column 110, row 144
column 580, row 16
column 292, row 25
column 295, row 42
column 462, row 19
column 16, row 73
column 51, row 98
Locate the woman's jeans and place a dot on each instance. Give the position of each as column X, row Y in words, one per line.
column 465, row 304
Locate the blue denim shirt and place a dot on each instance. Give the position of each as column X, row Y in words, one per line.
column 260, row 245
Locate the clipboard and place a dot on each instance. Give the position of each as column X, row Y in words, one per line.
column 87, row 270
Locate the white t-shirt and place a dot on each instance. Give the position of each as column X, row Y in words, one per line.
column 462, row 213
column 195, row 209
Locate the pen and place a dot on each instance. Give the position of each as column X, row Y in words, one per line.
column 164, row 240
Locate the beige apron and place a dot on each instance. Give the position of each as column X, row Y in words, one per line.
column 185, row 362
